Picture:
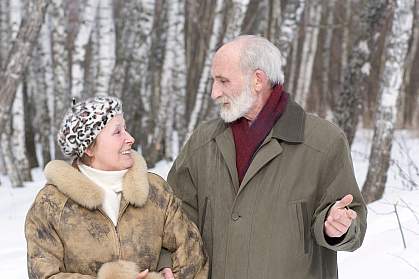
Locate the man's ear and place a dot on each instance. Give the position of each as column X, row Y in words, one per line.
column 260, row 80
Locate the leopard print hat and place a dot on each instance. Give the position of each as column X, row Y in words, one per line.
column 84, row 121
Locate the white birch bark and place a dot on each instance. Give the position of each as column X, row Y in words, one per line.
column 106, row 45
column 18, row 136
column 11, row 167
column 87, row 19
column 173, row 82
column 4, row 29
column 308, row 53
column 42, row 86
column 60, row 76
column 326, row 54
column 18, row 117
column 2, row 163
column 395, row 55
column 274, row 21
column 235, row 19
column 140, row 56
column 289, row 27
column 293, row 67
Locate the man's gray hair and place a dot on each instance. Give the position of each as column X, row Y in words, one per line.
column 257, row 53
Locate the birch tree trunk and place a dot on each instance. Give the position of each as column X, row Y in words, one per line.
column 345, row 39
column 173, row 81
column 18, row 136
column 136, row 97
column 274, row 21
column 293, row 66
column 326, row 54
column 18, row 112
column 348, row 106
column 308, row 52
column 205, row 75
column 87, row 19
column 10, row 162
column 235, row 17
column 2, row 163
column 29, row 111
column 106, row 45
column 125, row 15
column 252, row 23
column 408, row 95
column 60, row 75
column 289, row 27
column 395, row 55
column 4, row 28
column 4, row 48
column 42, row 84
column 19, row 56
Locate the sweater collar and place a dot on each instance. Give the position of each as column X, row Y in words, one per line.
column 111, row 180
column 81, row 189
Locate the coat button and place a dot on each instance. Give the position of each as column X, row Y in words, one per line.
column 235, row 216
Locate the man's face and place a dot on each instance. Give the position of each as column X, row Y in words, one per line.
column 231, row 90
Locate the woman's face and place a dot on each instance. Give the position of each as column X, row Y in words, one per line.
column 112, row 150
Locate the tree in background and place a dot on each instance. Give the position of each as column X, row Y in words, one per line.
column 17, row 61
column 395, row 54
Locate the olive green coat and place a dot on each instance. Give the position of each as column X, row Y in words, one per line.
column 271, row 225
column 69, row 236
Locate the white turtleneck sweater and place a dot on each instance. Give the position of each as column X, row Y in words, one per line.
column 111, row 183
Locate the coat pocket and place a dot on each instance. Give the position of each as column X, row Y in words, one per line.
column 301, row 223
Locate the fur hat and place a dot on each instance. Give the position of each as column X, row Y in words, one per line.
column 84, row 121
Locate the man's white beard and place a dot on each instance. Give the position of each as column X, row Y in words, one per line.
column 239, row 105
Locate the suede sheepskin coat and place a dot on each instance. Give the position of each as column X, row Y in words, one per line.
column 69, row 235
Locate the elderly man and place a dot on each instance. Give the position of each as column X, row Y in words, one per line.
column 271, row 188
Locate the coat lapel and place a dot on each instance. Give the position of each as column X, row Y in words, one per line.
column 269, row 149
column 225, row 144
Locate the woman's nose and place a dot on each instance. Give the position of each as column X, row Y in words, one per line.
column 129, row 139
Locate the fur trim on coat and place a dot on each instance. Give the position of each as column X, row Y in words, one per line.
column 88, row 194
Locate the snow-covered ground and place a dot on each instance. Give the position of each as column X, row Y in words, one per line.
column 381, row 256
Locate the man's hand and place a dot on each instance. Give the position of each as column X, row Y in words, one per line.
column 339, row 218
column 167, row 273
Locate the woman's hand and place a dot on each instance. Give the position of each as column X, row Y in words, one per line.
column 167, row 273
column 142, row 274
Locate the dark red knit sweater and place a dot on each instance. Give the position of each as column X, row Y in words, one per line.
column 247, row 139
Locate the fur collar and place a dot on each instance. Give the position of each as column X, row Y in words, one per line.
column 78, row 187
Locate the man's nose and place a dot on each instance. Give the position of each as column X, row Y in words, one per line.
column 215, row 93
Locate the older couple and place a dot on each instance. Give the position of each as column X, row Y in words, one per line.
column 270, row 187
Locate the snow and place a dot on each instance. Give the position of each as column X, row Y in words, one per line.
column 382, row 254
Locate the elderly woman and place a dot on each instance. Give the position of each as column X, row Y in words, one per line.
column 105, row 216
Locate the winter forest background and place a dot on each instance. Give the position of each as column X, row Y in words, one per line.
column 352, row 62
